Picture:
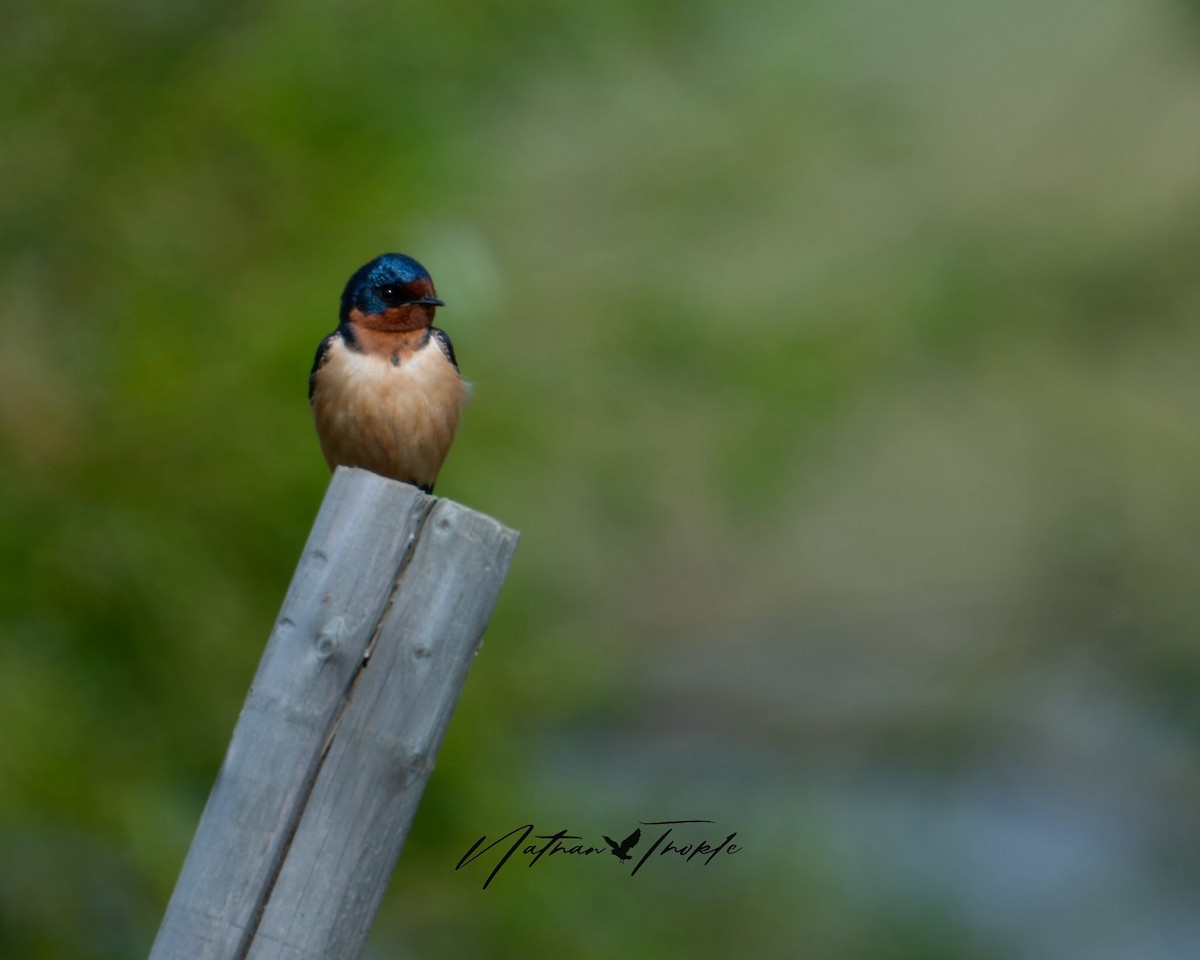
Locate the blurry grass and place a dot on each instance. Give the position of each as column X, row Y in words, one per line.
column 891, row 304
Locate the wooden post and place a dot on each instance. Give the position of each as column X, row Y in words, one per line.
column 340, row 729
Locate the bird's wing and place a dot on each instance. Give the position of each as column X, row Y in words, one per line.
column 318, row 360
column 633, row 838
column 612, row 843
column 443, row 341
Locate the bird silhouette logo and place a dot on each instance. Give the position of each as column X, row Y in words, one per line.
column 621, row 850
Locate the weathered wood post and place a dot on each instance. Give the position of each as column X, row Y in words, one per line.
column 340, row 729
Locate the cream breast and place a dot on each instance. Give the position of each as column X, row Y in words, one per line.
column 394, row 415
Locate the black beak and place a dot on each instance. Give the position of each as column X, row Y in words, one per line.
column 429, row 302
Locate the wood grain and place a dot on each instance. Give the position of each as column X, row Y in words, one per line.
column 340, row 728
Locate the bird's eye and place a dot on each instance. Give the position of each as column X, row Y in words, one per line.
column 390, row 292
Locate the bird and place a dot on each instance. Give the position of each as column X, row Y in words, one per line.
column 621, row 850
column 385, row 389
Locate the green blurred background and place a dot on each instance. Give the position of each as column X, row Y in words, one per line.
column 835, row 358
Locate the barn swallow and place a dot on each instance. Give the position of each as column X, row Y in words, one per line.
column 385, row 388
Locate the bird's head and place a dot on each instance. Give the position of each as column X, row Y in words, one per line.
column 392, row 292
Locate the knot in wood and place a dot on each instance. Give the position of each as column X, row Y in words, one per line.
column 331, row 637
